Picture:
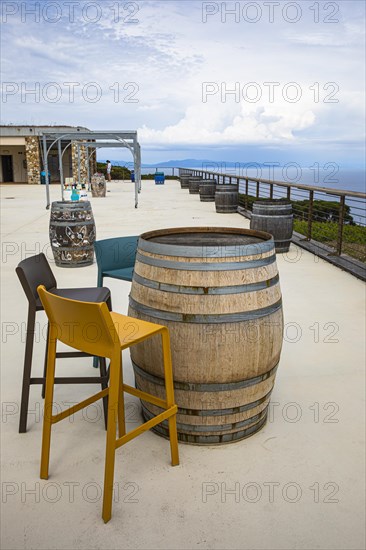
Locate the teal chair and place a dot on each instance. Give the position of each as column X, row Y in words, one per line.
column 116, row 258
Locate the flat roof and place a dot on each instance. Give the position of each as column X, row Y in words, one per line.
column 298, row 483
column 29, row 130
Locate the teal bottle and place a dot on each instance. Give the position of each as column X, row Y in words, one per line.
column 74, row 194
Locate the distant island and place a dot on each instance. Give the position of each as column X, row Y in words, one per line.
column 191, row 163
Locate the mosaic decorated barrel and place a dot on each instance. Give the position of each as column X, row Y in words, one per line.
column 98, row 186
column 218, row 292
column 72, row 233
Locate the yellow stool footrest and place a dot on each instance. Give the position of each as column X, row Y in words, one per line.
column 146, row 426
column 79, row 406
column 146, row 396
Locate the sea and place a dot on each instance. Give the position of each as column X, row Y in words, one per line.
column 328, row 176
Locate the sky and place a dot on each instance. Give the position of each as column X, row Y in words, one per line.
column 273, row 81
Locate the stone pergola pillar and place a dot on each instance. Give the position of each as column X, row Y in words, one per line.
column 83, row 162
column 93, row 163
column 32, row 156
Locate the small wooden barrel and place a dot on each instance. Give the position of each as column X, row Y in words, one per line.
column 217, row 290
column 207, row 190
column 98, row 186
column 184, row 172
column 184, row 182
column 72, row 233
column 276, row 218
column 194, row 184
column 226, row 199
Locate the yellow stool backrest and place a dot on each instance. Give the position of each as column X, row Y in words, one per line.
column 85, row 326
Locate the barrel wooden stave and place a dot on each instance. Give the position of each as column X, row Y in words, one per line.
column 226, row 199
column 213, row 352
column 212, row 415
column 210, row 353
column 184, row 181
column 72, row 233
column 194, row 185
column 277, row 219
column 207, row 190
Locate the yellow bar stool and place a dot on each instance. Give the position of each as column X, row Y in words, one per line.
column 102, row 333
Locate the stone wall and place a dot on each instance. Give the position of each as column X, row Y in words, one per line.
column 83, row 162
column 93, row 163
column 32, row 156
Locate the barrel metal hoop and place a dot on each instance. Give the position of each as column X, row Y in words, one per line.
column 199, row 266
column 267, row 216
column 211, row 387
column 220, row 412
column 212, row 439
column 71, row 248
column 72, row 222
column 235, row 289
column 205, row 318
column 206, row 252
column 193, row 428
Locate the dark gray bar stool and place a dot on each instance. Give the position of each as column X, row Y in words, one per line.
column 35, row 271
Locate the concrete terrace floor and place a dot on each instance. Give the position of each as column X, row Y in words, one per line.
column 297, row 484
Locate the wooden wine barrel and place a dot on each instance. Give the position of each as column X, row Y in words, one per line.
column 217, row 290
column 276, row 218
column 184, row 172
column 98, row 186
column 194, row 184
column 207, row 190
column 72, row 233
column 226, row 199
column 184, row 182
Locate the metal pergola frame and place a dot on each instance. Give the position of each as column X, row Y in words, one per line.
column 101, row 139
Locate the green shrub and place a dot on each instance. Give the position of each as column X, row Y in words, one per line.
column 324, row 225
column 117, row 173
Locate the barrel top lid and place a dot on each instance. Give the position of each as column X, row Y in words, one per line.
column 78, row 204
column 206, row 236
column 275, row 202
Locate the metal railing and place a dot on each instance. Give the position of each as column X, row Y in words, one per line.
column 334, row 217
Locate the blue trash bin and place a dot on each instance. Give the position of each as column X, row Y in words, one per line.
column 43, row 177
column 159, row 178
column 132, row 175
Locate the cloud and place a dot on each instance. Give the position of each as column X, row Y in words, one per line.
column 202, row 125
column 169, row 53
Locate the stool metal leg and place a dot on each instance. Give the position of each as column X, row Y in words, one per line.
column 114, row 387
column 97, row 359
column 27, row 370
column 45, row 363
column 169, row 388
column 121, row 407
column 47, row 420
column 104, row 384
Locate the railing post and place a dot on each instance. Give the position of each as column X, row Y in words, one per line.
column 310, row 215
column 271, row 190
column 289, row 193
column 342, row 205
column 257, row 190
column 246, row 193
column 223, row 180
